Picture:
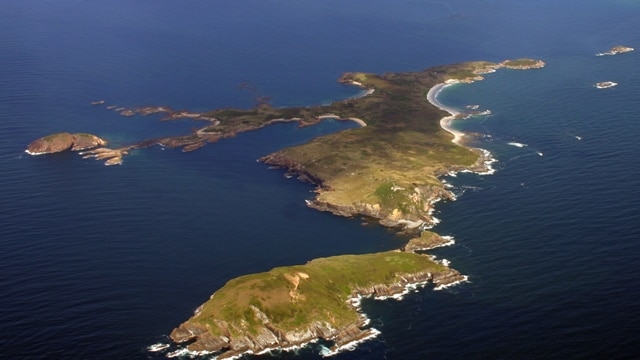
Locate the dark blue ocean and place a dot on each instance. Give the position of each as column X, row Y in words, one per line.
column 100, row 262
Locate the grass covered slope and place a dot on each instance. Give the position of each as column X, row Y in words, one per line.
column 388, row 169
column 297, row 304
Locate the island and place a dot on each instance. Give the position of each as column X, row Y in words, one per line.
column 605, row 84
column 616, row 50
column 387, row 170
column 291, row 306
column 64, row 141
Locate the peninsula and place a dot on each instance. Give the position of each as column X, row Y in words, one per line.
column 387, row 170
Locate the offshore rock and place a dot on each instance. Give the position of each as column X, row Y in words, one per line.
column 447, row 278
column 428, row 240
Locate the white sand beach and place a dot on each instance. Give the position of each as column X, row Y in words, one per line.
column 445, row 122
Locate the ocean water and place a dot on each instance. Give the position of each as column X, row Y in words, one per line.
column 101, row 262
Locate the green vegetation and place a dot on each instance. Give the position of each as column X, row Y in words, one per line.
column 403, row 143
column 520, row 63
column 295, row 296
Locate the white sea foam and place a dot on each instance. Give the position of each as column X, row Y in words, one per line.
column 350, row 346
column 450, row 241
column 517, row 144
column 186, row 352
column 157, row 347
column 34, row 153
column 488, row 161
column 465, row 278
column 365, row 320
column 482, row 113
column 539, row 153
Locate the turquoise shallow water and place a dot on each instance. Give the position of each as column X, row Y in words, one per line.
column 101, row 262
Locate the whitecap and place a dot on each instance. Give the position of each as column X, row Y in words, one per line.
column 450, row 241
column 516, row 144
column 34, row 153
column 157, row 347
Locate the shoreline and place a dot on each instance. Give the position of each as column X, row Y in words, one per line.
column 483, row 166
column 445, row 122
column 360, row 122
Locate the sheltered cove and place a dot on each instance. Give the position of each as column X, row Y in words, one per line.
column 387, row 170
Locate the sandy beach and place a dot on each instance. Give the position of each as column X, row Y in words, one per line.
column 445, row 122
column 360, row 122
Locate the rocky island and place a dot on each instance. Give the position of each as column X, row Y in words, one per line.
column 606, row 84
column 616, row 50
column 62, row 142
column 387, row 170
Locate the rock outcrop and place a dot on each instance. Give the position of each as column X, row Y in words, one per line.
column 428, row 240
column 616, row 50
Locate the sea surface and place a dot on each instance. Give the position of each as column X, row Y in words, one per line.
column 100, row 262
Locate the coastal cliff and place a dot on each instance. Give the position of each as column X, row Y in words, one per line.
column 292, row 306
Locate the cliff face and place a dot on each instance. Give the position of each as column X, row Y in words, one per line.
column 263, row 338
column 64, row 141
column 238, row 339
